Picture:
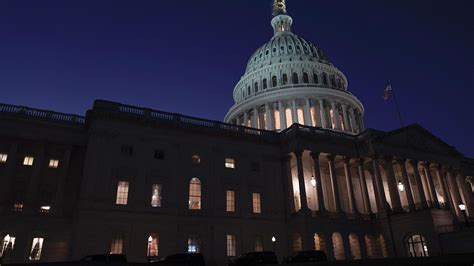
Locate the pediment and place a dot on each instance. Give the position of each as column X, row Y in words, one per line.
column 418, row 138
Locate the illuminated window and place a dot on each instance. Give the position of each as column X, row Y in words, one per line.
column 289, row 118
column 417, row 246
column 45, row 209
column 231, row 246
column 3, row 158
column 195, row 194
column 194, row 244
column 156, row 196
column 196, row 160
column 297, row 244
column 341, row 119
column 314, row 117
column 18, row 207
column 116, row 246
column 333, row 124
column 295, row 78
column 256, row 203
column 277, row 120
column 285, row 79
column 36, row 248
column 258, row 243
column 230, row 163
column 122, row 193
column 8, row 244
column 28, row 160
column 230, row 201
column 305, row 78
column 299, row 111
column 53, row 163
column 153, row 245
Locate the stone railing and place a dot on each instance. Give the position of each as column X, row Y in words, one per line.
column 27, row 112
column 181, row 120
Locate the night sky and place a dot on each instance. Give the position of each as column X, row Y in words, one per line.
column 186, row 56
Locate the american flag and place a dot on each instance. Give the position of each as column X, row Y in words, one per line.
column 388, row 92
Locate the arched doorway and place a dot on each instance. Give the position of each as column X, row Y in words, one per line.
column 338, row 246
column 355, row 247
column 417, row 246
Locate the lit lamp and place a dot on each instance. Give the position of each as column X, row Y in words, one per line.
column 313, row 181
column 400, row 186
column 462, row 207
column 274, row 240
column 150, row 239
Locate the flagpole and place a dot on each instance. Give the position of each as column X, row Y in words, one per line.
column 396, row 104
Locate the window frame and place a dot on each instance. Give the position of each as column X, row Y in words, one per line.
column 40, row 242
column 195, row 194
column 28, row 160
column 53, row 163
column 256, row 203
column 230, row 201
column 122, row 193
column 3, row 158
column 230, row 163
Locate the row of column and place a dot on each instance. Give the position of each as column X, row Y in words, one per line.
column 424, row 187
column 317, row 113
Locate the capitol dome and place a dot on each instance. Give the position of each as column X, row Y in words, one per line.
column 289, row 80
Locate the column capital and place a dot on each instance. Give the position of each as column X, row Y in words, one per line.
column 346, row 159
column 315, row 154
column 298, row 152
column 413, row 162
column 330, row 157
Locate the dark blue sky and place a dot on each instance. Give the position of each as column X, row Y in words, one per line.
column 186, row 56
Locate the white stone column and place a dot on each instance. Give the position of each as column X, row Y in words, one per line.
column 322, row 111
column 455, row 195
column 307, row 113
column 301, row 180
column 334, row 183
column 419, row 184
column 380, row 198
column 466, row 194
column 408, row 187
column 353, row 121
column 246, row 118
column 268, row 111
column 363, row 183
column 335, row 113
column 294, row 113
column 255, row 118
column 431, row 186
column 347, row 126
column 319, row 182
column 441, row 180
column 350, row 187
column 282, row 109
column 392, row 186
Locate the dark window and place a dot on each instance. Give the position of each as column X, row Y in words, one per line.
column 159, row 154
column 127, row 150
column 315, row 78
column 255, row 86
column 265, row 84
column 295, row 78
column 339, row 83
column 274, row 81
column 255, row 166
column 325, row 79
column 248, row 90
column 305, row 78
column 333, row 81
column 285, row 79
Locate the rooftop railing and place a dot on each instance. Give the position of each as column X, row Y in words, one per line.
column 28, row 112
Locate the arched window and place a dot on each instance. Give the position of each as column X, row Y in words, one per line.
column 333, row 81
column 355, row 247
column 417, row 246
column 319, row 242
column 338, row 246
column 295, row 78
column 297, row 244
column 305, row 78
column 315, row 78
column 325, row 79
column 255, row 87
column 285, row 79
column 8, row 244
column 274, row 81
column 370, row 246
column 339, row 83
column 264, row 84
column 248, row 90
column 195, row 194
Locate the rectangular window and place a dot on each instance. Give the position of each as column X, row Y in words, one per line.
column 116, row 246
column 300, row 115
column 18, row 207
column 194, row 244
column 231, row 246
column 297, row 244
column 53, row 163
column 258, row 243
column 3, row 157
column 45, row 209
column 28, row 160
column 257, row 208
column 8, row 244
column 276, row 114
column 159, row 154
column 314, row 117
column 127, row 150
column 153, row 245
column 229, row 163
column 156, row 196
column 255, row 166
column 230, row 201
column 122, row 193
column 36, row 248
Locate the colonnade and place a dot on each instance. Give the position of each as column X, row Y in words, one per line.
column 394, row 181
column 323, row 113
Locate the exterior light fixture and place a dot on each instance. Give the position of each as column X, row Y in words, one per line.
column 274, row 239
column 462, row 207
column 150, row 239
column 313, row 181
column 401, row 186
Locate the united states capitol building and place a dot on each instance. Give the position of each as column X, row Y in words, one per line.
column 292, row 167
